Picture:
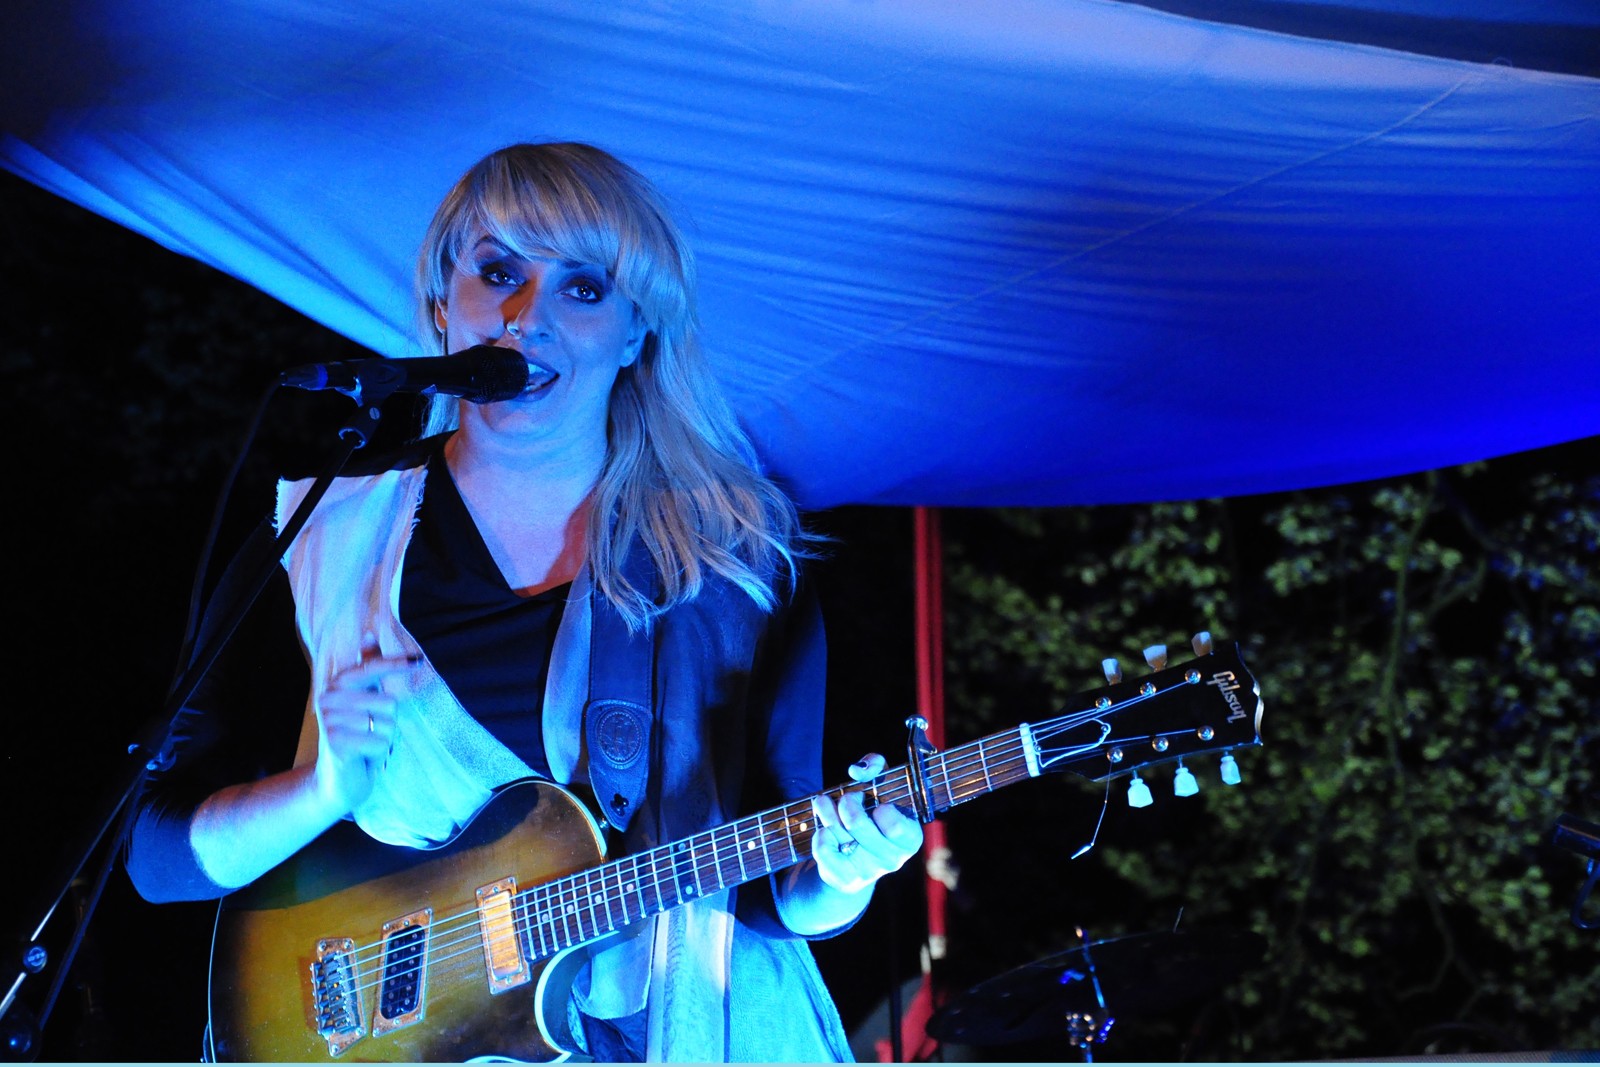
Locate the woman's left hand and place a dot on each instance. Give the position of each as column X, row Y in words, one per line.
column 853, row 848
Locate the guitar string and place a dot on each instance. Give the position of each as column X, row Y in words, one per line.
column 368, row 965
column 965, row 759
column 1010, row 746
column 370, row 971
column 720, row 872
column 957, row 763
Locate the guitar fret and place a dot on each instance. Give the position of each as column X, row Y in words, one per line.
column 714, row 860
column 955, row 791
column 536, row 919
column 655, row 878
column 725, row 875
column 738, row 873
column 638, row 881
column 584, row 891
column 739, row 851
column 571, row 928
column 667, row 888
column 794, row 826
column 751, row 838
column 557, row 922
column 733, row 873
column 611, row 920
column 598, row 899
column 687, row 889
column 621, row 898
column 552, row 917
column 777, row 838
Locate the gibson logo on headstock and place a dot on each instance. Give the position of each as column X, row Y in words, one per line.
column 1227, row 685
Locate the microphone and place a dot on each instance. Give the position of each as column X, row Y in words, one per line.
column 482, row 374
column 1575, row 835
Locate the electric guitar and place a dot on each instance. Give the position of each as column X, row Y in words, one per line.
column 367, row 951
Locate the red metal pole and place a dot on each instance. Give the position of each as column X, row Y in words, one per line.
column 938, row 871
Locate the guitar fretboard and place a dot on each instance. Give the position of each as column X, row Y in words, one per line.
column 582, row 907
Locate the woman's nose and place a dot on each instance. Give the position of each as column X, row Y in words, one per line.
column 523, row 313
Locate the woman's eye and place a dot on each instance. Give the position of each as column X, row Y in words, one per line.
column 587, row 292
column 497, row 274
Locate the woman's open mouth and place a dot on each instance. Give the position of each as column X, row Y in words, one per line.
column 540, row 378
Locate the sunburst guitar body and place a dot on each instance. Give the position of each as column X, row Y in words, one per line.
column 362, row 951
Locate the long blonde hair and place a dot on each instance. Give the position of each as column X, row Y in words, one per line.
column 680, row 474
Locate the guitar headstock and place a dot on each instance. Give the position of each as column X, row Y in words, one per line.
column 1209, row 704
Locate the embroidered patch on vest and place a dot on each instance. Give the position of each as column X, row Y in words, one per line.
column 620, row 732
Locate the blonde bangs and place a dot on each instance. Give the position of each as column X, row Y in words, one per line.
column 559, row 202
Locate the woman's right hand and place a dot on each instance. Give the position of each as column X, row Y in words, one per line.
column 357, row 725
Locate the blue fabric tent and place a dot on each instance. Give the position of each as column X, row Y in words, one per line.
column 952, row 253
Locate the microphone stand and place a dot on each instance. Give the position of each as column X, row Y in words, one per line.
column 1583, row 838
column 20, row 1028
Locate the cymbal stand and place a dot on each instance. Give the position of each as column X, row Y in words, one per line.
column 1087, row 1029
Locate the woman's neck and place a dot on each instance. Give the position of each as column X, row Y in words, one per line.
column 531, row 510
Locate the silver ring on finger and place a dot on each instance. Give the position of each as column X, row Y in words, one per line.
column 847, row 848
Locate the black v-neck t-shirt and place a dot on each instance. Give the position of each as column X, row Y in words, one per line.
column 490, row 644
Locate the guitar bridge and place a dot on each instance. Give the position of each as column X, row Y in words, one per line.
column 402, row 996
column 336, row 994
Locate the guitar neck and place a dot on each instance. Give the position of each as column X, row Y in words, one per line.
column 1209, row 704
column 596, row 902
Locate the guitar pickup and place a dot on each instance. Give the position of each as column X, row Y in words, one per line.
column 403, row 992
column 506, row 966
column 336, row 994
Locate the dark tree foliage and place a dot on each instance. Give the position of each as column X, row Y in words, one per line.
column 1426, row 648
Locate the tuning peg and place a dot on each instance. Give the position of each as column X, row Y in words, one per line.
column 1156, row 656
column 1230, row 769
column 1113, row 670
column 1139, row 793
column 1183, row 783
column 1202, row 643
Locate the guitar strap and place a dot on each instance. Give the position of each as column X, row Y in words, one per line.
column 620, row 710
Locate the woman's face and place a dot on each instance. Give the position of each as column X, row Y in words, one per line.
column 565, row 318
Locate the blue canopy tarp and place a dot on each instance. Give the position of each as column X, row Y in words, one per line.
column 952, row 252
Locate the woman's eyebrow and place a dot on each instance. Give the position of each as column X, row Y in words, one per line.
column 568, row 264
